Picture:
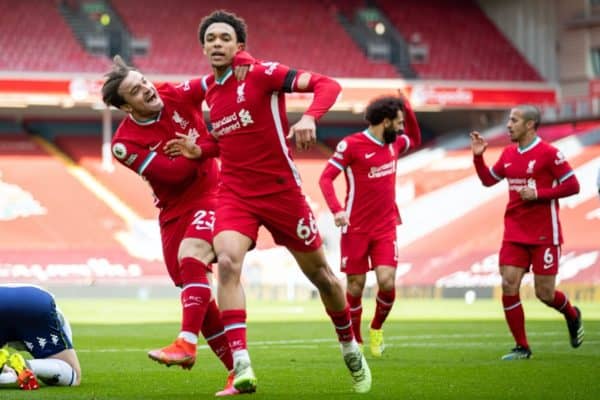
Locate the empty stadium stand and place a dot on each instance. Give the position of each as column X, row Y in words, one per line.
column 463, row 43
column 300, row 34
column 34, row 37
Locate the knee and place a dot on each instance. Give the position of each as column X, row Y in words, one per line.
column 354, row 288
column 545, row 295
column 510, row 286
column 228, row 269
column 387, row 285
column 324, row 279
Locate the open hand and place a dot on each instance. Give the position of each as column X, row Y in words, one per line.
column 478, row 143
column 182, row 146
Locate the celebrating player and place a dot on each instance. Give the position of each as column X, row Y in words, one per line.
column 184, row 192
column 260, row 184
column 369, row 219
column 538, row 175
column 31, row 321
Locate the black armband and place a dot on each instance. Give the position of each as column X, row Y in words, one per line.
column 288, row 82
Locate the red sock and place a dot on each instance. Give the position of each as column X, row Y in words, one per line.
column 195, row 295
column 385, row 302
column 235, row 328
column 214, row 333
column 563, row 305
column 355, row 304
column 342, row 323
column 515, row 317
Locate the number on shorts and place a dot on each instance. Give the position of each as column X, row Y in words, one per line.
column 548, row 256
column 305, row 231
column 204, row 220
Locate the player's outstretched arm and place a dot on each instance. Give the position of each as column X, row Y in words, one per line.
column 478, row 146
column 413, row 131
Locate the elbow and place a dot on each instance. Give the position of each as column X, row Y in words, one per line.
column 573, row 185
column 336, row 86
column 323, row 182
column 576, row 188
column 488, row 182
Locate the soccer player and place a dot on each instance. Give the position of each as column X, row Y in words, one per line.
column 369, row 219
column 260, row 184
column 31, row 321
column 538, row 175
column 184, row 192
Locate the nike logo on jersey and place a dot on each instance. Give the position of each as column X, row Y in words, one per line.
column 153, row 148
column 506, row 165
column 309, row 241
column 548, row 266
column 369, row 155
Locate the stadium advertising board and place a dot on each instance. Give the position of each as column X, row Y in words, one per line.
column 355, row 93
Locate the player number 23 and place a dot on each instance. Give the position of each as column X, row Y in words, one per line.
column 204, row 219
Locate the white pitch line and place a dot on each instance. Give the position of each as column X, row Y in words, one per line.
column 391, row 341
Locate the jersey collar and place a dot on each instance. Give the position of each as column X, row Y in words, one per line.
column 223, row 79
column 148, row 121
column 530, row 146
column 372, row 137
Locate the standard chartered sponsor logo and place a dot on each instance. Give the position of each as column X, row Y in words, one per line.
column 225, row 120
column 232, row 122
column 383, row 170
column 517, row 184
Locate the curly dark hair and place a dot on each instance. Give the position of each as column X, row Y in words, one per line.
column 382, row 108
column 110, row 88
column 238, row 24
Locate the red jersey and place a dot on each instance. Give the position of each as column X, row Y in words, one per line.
column 250, row 125
column 369, row 166
column 178, row 183
column 540, row 166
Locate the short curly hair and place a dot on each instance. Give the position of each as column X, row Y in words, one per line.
column 382, row 108
column 238, row 24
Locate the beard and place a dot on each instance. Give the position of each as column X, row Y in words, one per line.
column 390, row 135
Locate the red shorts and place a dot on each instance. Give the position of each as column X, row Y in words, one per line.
column 285, row 214
column 358, row 248
column 542, row 258
column 196, row 223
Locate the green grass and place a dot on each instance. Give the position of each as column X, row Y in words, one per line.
column 436, row 350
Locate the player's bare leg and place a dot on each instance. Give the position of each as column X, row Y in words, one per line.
column 231, row 247
column 314, row 266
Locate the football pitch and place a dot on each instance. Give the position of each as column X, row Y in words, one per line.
column 436, row 349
